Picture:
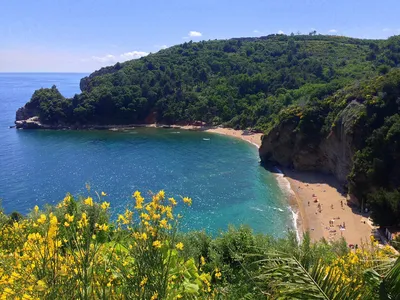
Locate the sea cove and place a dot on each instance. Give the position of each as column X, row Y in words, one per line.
column 220, row 173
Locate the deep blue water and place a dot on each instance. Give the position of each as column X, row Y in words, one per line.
column 222, row 175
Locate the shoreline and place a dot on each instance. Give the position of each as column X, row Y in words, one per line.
column 301, row 187
column 322, row 219
column 245, row 135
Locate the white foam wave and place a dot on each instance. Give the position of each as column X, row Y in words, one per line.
column 284, row 184
column 295, row 217
column 270, row 207
column 256, row 208
column 277, row 208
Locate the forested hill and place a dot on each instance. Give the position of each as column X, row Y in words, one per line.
column 241, row 82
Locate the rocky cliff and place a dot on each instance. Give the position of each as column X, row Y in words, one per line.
column 287, row 145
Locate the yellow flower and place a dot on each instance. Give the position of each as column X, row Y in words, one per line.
column 67, row 199
column 144, row 236
column 69, row 218
column 36, row 208
column 103, row 194
column 155, row 296
column 164, row 223
column 139, row 200
column 156, row 216
column 218, row 274
column 8, row 291
column 188, row 201
column 161, row 194
column 143, row 282
column 203, row 261
column 172, row 201
column 66, row 224
column 121, row 218
column 157, row 244
column 88, row 201
column 83, row 221
column 105, row 205
column 53, row 220
column 179, row 246
column 103, row 227
column 42, row 219
column 41, row 285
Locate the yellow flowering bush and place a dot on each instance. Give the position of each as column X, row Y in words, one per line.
column 73, row 250
column 350, row 268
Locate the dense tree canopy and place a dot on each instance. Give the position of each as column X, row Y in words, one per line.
column 239, row 82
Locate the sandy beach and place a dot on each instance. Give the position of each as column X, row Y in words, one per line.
column 322, row 208
column 325, row 211
column 253, row 138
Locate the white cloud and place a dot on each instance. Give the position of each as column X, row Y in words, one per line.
column 195, row 34
column 161, row 46
column 104, row 59
column 280, row 32
column 332, row 31
column 109, row 58
column 132, row 55
column 256, row 31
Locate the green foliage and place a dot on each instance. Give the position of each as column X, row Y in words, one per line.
column 385, row 207
column 238, row 82
column 74, row 250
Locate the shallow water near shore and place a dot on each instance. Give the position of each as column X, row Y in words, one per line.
column 220, row 173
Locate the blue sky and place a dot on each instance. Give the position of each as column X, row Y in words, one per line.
column 82, row 36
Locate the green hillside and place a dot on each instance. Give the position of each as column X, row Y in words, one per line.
column 238, row 82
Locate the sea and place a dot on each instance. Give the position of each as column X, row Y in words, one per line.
column 221, row 174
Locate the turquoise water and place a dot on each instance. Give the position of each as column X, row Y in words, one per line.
column 222, row 175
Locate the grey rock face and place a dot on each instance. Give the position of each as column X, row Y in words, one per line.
column 332, row 154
